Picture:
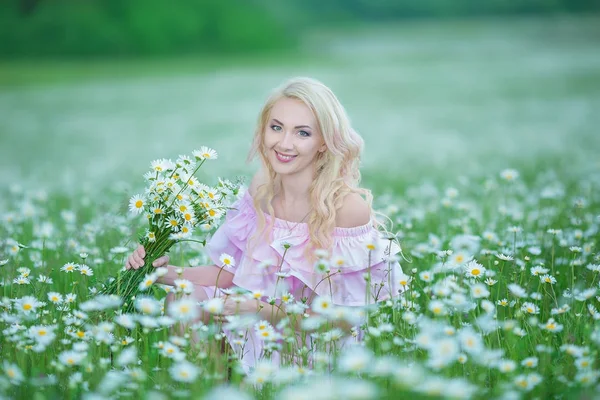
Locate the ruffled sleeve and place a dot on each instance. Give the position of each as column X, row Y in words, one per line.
column 232, row 235
column 359, row 255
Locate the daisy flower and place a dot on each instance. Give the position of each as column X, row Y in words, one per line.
column 470, row 341
column 338, row 261
column 69, row 267
column 71, row 358
column 136, row 204
column 45, row 279
column 183, row 285
column 267, row 334
column 404, row 280
column 151, row 236
column 21, row 280
column 287, row 297
column 479, row 290
column 147, row 305
column 539, row 270
column 530, row 308
column 183, row 310
column 458, row 258
column 509, row 174
column 474, row 270
column 205, row 153
column 148, row 281
column 184, row 371
column 70, row 297
column 507, row 366
column 552, row 326
column 257, row 294
column 502, row 302
column 322, row 305
column 189, row 217
column 548, row 279
column 530, row 362
column 517, row 290
column 426, row 276
column 55, row 297
column 437, row 307
column 504, row 257
column 214, row 305
column 322, row 266
column 42, row 334
column 12, row 371
column 28, row 304
column 226, row 260
column 125, row 320
column 85, row 270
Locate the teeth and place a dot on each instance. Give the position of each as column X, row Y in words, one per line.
column 285, row 157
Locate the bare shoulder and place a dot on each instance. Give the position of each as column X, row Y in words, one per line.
column 259, row 179
column 355, row 211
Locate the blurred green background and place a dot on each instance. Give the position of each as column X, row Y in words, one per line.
column 91, row 91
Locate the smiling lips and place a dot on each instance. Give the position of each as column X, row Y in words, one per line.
column 284, row 158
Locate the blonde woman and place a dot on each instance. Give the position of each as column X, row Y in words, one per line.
column 303, row 229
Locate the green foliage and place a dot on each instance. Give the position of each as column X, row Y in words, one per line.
column 136, row 27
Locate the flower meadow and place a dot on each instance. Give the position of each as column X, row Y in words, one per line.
column 501, row 300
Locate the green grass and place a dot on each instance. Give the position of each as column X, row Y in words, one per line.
column 443, row 108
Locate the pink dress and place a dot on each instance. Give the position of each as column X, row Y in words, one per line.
column 347, row 287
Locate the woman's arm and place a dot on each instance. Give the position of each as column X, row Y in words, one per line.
column 209, row 275
column 206, row 275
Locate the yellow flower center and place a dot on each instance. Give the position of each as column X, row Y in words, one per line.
column 139, row 204
column 80, row 334
column 27, row 307
column 475, row 272
column 42, row 332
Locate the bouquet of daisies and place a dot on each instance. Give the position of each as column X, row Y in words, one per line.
column 175, row 203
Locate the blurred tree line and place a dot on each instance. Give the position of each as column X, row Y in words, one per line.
column 76, row 28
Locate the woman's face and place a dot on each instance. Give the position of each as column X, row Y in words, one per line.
column 292, row 138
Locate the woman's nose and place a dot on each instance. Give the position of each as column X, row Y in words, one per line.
column 286, row 141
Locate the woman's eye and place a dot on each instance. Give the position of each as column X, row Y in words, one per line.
column 304, row 133
column 276, row 128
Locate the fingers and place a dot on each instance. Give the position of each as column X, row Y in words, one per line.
column 139, row 261
column 131, row 263
column 140, row 251
column 161, row 262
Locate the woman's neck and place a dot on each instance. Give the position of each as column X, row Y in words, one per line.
column 295, row 189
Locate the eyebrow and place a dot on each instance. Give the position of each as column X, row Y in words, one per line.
column 296, row 127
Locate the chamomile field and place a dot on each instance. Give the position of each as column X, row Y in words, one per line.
column 481, row 147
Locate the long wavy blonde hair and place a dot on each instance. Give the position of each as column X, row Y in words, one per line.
column 336, row 170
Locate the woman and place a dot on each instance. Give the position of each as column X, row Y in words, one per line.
column 304, row 200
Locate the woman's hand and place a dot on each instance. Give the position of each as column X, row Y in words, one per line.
column 136, row 259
